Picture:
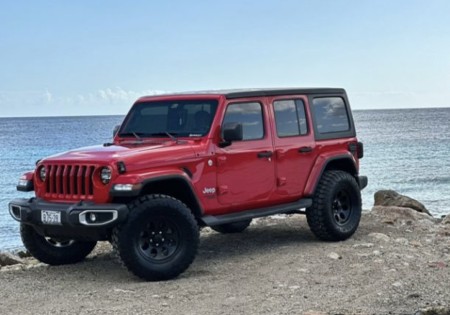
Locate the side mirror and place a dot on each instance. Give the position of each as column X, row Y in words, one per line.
column 231, row 132
column 116, row 130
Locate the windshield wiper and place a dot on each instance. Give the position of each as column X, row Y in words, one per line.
column 137, row 135
column 165, row 133
column 171, row 136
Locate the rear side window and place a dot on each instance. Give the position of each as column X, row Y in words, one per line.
column 290, row 118
column 330, row 114
column 250, row 116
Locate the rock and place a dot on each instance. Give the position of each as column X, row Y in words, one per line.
column 444, row 227
column 434, row 311
column 23, row 254
column 311, row 312
column 8, row 259
column 363, row 245
column 402, row 216
column 397, row 284
column 416, row 243
column 402, row 241
column 334, row 256
column 390, row 198
column 437, row 264
column 380, row 236
column 9, row 268
column 446, row 220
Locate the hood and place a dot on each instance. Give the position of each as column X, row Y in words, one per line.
column 100, row 154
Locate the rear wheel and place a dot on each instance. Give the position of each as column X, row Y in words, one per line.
column 336, row 209
column 54, row 251
column 235, row 227
column 159, row 240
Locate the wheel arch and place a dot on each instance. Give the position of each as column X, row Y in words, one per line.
column 175, row 186
column 341, row 162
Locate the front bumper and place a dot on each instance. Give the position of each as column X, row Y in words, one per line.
column 82, row 220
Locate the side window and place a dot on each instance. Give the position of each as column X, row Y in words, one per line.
column 290, row 118
column 250, row 116
column 330, row 114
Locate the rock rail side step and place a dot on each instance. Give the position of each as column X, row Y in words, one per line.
column 293, row 207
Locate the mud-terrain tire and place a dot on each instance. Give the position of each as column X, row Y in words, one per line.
column 235, row 227
column 336, row 209
column 159, row 240
column 54, row 251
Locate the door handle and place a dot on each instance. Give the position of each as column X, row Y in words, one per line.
column 305, row 150
column 265, row 154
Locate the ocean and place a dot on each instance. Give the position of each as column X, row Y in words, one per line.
column 407, row 150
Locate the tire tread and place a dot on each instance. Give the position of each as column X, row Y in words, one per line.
column 126, row 257
column 316, row 214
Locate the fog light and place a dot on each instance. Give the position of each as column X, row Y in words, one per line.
column 93, row 217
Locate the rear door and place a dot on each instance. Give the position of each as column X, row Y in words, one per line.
column 294, row 144
column 245, row 169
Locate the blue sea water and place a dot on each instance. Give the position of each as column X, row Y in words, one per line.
column 406, row 150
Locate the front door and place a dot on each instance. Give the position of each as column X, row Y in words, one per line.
column 245, row 169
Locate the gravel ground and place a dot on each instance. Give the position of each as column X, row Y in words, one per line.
column 275, row 267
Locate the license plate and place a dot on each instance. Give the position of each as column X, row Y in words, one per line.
column 51, row 217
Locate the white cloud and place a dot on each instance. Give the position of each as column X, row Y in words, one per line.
column 120, row 95
column 46, row 103
column 48, row 96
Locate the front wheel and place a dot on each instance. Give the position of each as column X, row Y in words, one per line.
column 159, row 240
column 336, row 209
column 54, row 251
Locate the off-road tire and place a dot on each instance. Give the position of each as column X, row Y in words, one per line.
column 159, row 240
column 235, row 227
column 336, row 209
column 54, row 251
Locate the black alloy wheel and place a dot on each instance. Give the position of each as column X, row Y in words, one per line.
column 342, row 207
column 160, row 239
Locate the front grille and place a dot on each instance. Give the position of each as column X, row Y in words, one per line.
column 69, row 181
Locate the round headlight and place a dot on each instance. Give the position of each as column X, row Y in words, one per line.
column 42, row 173
column 105, row 175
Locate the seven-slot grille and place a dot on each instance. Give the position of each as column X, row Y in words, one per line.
column 70, row 180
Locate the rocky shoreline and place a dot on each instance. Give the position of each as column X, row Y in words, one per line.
column 398, row 262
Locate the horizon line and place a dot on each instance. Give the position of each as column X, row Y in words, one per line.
column 106, row 115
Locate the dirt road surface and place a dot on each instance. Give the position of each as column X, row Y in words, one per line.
column 275, row 267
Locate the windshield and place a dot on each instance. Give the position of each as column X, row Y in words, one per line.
column 190, row 118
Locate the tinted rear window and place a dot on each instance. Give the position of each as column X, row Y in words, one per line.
column 330, row 114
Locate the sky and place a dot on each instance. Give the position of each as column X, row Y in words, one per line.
column 97, row 57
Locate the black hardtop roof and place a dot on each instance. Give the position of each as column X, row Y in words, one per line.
column 241, row 93
column 281, row 91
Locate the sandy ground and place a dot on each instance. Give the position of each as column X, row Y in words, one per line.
column 275, row 267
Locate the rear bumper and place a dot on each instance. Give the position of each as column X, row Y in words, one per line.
column 82, row 220
column 362, row 181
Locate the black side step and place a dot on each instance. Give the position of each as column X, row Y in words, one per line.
column 211, row 220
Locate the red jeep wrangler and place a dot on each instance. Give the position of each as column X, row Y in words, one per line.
column 183, row 161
